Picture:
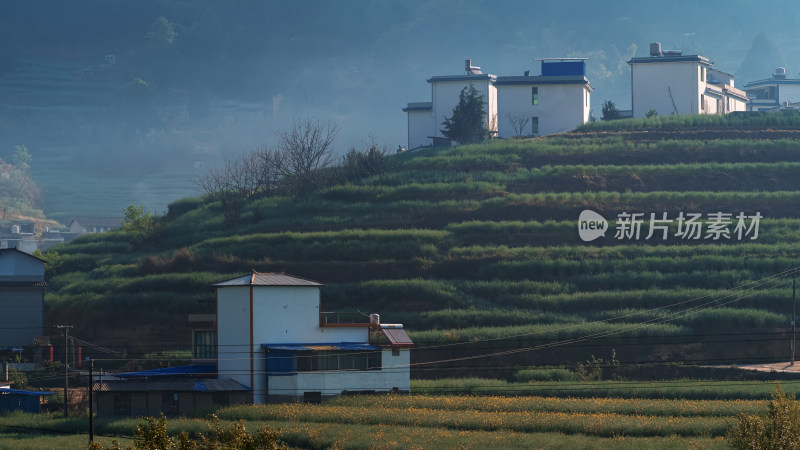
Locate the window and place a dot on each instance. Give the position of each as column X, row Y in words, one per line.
column 702, row 74
column 586, row 98
column 395, row 352
column 205, row 345
column 122, row 404
column 338, row 360
column 535, row 125
column 702, row 102
column 534, row 95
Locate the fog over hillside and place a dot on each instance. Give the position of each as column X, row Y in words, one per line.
column 190, row 83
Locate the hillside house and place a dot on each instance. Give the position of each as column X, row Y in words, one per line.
column 774, row 93
column 557, row 100
column 272, row 336
column 86, row 225
column 21, row 298
column 670, row 82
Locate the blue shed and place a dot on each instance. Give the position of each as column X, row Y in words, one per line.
column 19, row 400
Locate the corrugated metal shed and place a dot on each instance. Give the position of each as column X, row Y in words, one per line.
column 19, row 400
column 267, row 279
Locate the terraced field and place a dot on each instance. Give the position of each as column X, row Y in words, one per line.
column 472, row 244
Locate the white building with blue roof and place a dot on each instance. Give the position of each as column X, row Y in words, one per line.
column 273, row 337
column 555, row 101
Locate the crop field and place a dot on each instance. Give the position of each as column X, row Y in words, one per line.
column 654, row 420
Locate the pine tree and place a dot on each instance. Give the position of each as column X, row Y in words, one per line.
column 466, row 124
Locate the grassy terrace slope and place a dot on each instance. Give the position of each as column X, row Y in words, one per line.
column 478, row 242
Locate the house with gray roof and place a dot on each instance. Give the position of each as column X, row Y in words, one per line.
column 22, row 287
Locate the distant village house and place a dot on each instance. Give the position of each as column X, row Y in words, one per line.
column 557, row 100
column 669, row 82
column 22, row 287
column 774, row 93
column 86, row 225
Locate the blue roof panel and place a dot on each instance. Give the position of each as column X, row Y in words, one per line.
column 21, row 392
column 192, row 370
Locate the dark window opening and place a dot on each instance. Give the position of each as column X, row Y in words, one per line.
column 338, row 360
column 122, row 404
column 170, row 405
column 205, row 345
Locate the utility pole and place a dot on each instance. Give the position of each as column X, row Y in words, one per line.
column 66, row 366
column 794, row 315
column 91, row 405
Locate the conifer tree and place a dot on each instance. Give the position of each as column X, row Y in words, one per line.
column 466, row 124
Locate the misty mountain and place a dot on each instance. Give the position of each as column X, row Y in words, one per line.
column 194, row 82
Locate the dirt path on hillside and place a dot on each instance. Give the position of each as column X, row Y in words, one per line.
column 783, row 367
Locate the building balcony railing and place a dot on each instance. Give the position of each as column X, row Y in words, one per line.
column 343, row 319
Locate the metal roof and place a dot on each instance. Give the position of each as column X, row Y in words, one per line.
column 320, row 347
column 671, row 58
column 533, row 80
column 419, row 106
column 190, row 370
column 17, row 284
column 5, row 391
column 267, row 279
column 481, row 77
column 771, row 81
column 397, row 337
column 203, row 385
column 3, row 251
column 113, row 222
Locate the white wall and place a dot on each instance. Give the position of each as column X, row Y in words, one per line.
column 281, row 315
column 788, row 93
column 394, row 374
column 561, row 107
column 420, row 126
column 233, row 333
column 445, row 96
column 649, row 83
column 737, row 105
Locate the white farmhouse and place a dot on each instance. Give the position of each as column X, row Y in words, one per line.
column 669, row 82
column 773, row 93
column 556, row 101
column 425, row 118
column 272, row 337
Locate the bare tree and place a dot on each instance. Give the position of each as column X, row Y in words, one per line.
column 302, row 151
column 293, row 169
column 518, row 123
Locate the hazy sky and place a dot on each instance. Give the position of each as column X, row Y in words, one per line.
column 248, row 68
